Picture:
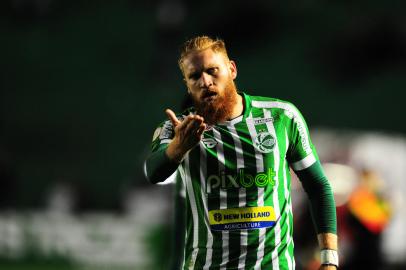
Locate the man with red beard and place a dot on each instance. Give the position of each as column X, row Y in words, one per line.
column 232, row 152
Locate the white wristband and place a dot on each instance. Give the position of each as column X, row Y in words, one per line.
column 329, row 256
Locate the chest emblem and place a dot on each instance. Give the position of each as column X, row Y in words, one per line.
column 209, row 142
column 264, row 142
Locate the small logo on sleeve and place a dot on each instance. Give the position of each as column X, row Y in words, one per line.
column 167, row 131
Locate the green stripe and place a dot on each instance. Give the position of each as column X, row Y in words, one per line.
column 232, row 195
column 269, row 162
column 252, row 194
column 283, row 204
column 189, row 232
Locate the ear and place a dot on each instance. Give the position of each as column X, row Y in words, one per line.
column 233, row 69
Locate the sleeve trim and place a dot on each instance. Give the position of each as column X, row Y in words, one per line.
column 304, row 163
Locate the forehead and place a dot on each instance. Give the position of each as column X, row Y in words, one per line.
column 203, row 59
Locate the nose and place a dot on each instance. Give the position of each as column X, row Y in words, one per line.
column 206, row 80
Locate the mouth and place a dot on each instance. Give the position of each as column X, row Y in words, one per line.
column 209, row 95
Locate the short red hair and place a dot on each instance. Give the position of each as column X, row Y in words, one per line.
column 201, row 43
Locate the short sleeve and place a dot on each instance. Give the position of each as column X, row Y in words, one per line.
column 301, row 153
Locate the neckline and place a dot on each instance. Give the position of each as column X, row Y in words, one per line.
column 245, row 113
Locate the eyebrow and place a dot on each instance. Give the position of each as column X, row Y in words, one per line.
column 196, row 72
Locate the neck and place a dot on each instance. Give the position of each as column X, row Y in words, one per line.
column 238, row 107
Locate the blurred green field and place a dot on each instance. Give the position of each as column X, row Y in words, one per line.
column 59, row 265
column 16, row 265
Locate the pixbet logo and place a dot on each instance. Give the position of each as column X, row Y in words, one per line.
column 241, row 180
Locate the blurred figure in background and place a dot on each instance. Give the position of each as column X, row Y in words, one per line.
column 362, row 216
column 368, row 214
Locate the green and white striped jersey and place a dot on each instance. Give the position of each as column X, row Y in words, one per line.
column 237, row 181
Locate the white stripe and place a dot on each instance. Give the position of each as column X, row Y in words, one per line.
column 192, row 199
column 277, row 229
column 260, row 168
column 288, row 210
column 242, row 202
column 253, row 134
column 289, row 108
column 203, row 174
column 223, row 197
column 304, row 163
column 271, row 104
column 183, row 177
column 165, row 141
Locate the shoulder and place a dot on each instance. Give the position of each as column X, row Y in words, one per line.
column 281, row 109
column 271, row 103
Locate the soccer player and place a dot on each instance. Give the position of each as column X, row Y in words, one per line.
column 233, row 152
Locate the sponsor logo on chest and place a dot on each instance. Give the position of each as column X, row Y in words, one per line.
column 244, row 218
column 242, row 179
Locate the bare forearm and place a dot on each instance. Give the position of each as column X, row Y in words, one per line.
column 175, row 152
column 327, row 241
column 328, row 244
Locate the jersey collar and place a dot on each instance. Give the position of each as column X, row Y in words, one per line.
column 244, row 115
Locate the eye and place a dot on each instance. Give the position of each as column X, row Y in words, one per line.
column 194, row 76
column 213, row 70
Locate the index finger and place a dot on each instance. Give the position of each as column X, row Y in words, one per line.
column 171, row 115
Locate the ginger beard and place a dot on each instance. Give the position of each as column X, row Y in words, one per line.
column 220, row 107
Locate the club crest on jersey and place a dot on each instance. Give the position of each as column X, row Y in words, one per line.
column 264, row 142
column 209, row 142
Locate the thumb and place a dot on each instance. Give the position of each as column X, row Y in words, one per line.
column 171, row 115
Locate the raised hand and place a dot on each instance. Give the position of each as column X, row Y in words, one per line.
column 188, row 134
